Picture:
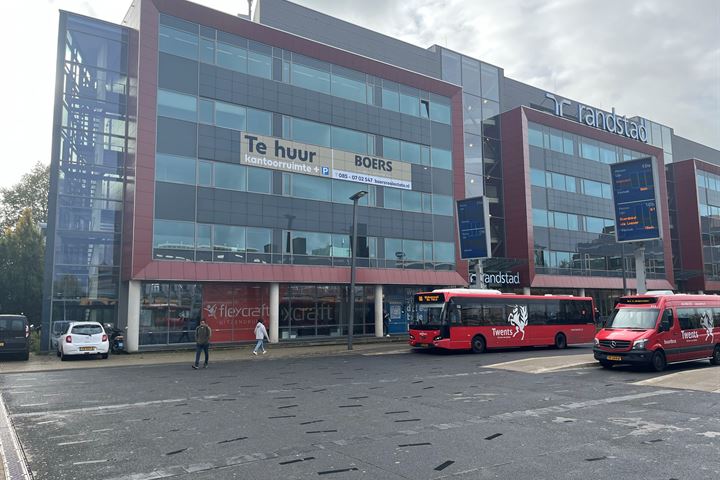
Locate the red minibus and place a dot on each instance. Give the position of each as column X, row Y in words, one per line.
column 462, row 318
column 655, row 330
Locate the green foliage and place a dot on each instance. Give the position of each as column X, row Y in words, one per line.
column 31, row 192
column 22, row 253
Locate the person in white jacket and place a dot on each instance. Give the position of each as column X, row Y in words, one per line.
column 260, row 335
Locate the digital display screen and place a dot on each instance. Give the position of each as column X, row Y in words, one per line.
column 429, row 298
column 634, row 194
column 472, row 229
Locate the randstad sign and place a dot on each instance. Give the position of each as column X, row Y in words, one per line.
column 610, row 122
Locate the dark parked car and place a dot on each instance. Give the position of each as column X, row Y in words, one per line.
column 14, row 336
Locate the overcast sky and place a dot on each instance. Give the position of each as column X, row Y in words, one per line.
column 659, row 59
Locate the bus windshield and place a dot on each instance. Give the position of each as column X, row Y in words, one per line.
column 428, row 314
column 641, row 318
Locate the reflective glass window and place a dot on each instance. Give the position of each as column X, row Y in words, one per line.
column 409, row 104
column 207, row 50
column 471, row 76
column 259, row 121
column 441, row 158
column 427, row 202
column 568, row 144
column 606, row 190
column 259, row 64
column 259, row 180
column 472, row 118
column 393, row 198
column 540, row 217
column 442, row 205
column 390, row 96
column 342, row 191
column 207, row 111
column 570, row 184
column 230, row 176
column 428, row 251
column 556, row 141
column 440, row 112
column 444, row 252
column 170, row 234
column 349, row 140
column 172, row 168
column 177, row 105
column 315, row 188
column 203, row 237
column 310, row 243
column 413, row 249
column 227, row 238
column 410, row 152
column 391, row 148
column 178, row 42
column 608, row 155
column 205, row 170
column 393, row 249
column 310, row 132
column 411, row 201
column 341, row 246
column 560, row 220
column 351, row 88
column 490, row 113
column 474, row 186
column 424, row 155
column 232, row 57
column 594, row 224
column 473, row 154
column 572, row 222
column 258, row 240
column 229, row 116
column 592, row 188
column 590, row 151
column 490, row 81
column 310, row 78
column 537, row 177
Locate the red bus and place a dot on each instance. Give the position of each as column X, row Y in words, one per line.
column 461, row 318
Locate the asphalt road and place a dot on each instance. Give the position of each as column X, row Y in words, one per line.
column 395, row 415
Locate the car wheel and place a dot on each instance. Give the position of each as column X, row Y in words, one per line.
column 715, row 360
column 57, row 352
column 658, row 362
column 605, row 364
column 104, row 356
column 63, row 357
column 478, row 344
column 560, row 341
column 25, row 356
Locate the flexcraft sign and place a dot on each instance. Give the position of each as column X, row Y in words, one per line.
column 610, row 122
column 289, row 156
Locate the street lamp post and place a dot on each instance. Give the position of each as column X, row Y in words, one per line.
column 355, row 199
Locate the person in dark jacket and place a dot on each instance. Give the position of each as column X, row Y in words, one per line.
column 202, row 343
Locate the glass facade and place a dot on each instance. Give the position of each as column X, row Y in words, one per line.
column 90, row 142
column 708, row 185
column 572, row 213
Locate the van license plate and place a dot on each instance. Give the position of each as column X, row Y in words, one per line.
column 614, row 357
column 86, row 349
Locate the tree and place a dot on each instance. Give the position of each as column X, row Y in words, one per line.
column 21, row 268
column 30, row 192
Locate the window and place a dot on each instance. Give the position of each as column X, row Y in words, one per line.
column 258, row 240
column 230, row 176
column 440, row 111
column 442, row 205
column 308, row 243
column 259, row 121
column 592, row 188
column 594, row 224
column 393, row 198
column 390, row 96
column 451, row 67
column 349, row 140
column 207, row 50
column 490, row 80
column 178, row 42
column 410, row 152
column 537, row 177
column 540, row 217
column 310, row 132
column 173, row 235
column 441, row 158
column 341, row 246
column 172, row 168
column 607, row 155
column 229, row 116
column 393, row 249
column 351, row 85
column 259, row 180
column 411, row 201
column 471, row 76
column 413, row 249
column 560, row 220
column 535, row 137
column 205, row 170
column 314, row 188
column 232, row 57
column 391, row 148
column 342, row 191
column 259, row 64
column 409, row 103
column 310, row 78
column 444, row 252
column 590, row 151
column 229, row 238
column 207, row 111
column 203, row 236
column 176, row 105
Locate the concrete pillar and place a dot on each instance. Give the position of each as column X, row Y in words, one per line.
column 132, row 339
column 274, row 312
column 581, row 292
column 526, row 290
column 378, row 310
column 640, row 269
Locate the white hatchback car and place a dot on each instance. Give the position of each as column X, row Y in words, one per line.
column 83, row 338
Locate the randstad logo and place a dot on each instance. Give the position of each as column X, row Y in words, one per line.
column 610, row 122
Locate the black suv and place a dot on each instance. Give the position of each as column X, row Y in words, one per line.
column 14, row 336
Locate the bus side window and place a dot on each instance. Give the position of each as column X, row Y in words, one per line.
column 667, row 320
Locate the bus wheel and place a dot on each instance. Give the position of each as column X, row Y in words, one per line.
column 478, row 344
column 715, row 360
column 658, row 362
column 560, row 341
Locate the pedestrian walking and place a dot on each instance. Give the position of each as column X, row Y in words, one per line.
column 260, row 335
column 202, row 343
column 386, row 324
